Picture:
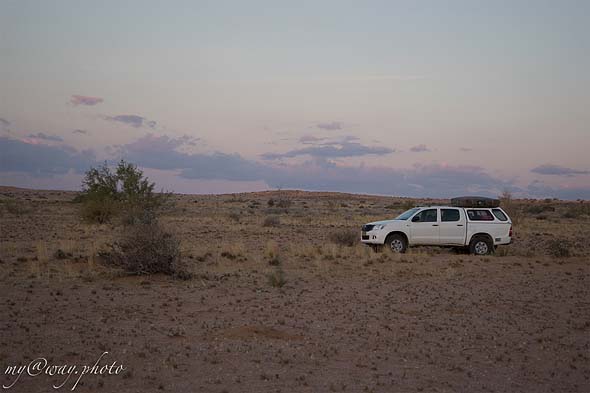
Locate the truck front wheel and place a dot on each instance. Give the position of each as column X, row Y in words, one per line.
column 481, row 245
column 396, row 243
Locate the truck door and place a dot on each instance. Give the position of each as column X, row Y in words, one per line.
column 424, row 228
column 452, row 226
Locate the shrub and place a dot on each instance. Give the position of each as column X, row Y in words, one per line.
column 577, row 210
column 234, row 216
column 137, row 214
column 537, row 209
column 271, row 202
column 106, row 193
column 569, row 213
column 147, row 249
column 407, row 204
column 277, row 278
column 61, row 254
column 559, row 248
column 18, row 208
column 344, row 237
column 272, row 221
column 284, row 203
column 281, row 201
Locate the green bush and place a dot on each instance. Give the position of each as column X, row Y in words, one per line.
column 98, row 209
column 124, row 191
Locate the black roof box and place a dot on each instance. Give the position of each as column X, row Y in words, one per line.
column 475, row 201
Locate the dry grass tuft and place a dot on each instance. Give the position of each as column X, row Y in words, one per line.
column 16, row 207
column 233, row 252
column 272, row 221
column 272, row 253
column 344, row 237
column 276, row 278
column 559, row 248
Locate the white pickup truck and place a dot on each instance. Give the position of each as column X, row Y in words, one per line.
column 481, row 229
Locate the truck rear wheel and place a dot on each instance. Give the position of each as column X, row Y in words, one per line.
column 481, row 245
column 396, row 243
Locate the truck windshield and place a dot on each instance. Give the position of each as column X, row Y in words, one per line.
column 407, row 214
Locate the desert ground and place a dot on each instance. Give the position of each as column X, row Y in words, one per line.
column 345, row 319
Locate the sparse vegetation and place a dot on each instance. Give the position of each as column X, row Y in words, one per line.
column 577, row 210
column 272, row 253
column 506, row 198
column 538, row 209
column 276, row 278
column 234, row 216
column 272, row 221
column 282, row 280
column 407, row 204
column 147, row 249
column 61, row 254
column 234, row 252
column 284, row 203
column 559, row 248
column 345, row 237
column 16, row 207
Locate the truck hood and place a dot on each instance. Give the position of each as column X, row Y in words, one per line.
column 386, row 222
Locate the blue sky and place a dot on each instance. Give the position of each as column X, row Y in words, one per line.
column 418, row 98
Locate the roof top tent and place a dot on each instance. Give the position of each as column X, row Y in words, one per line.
column 475, row 201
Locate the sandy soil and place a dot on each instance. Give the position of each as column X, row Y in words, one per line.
column 347, row 320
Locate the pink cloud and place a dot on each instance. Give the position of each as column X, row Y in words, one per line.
column 85, row 100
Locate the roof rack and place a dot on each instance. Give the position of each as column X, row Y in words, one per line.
column 475, row 201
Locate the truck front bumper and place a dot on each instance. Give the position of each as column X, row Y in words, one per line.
column 373, row 237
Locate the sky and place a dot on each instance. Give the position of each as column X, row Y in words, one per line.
column 404, row 98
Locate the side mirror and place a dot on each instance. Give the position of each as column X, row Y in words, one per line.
column 416, row 218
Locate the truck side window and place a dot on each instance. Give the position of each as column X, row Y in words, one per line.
column 480, row 215
column 449, row 215
column 426, row 216
column 499, row 214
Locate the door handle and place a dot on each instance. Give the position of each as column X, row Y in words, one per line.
column 459, row 225
column 434, row 225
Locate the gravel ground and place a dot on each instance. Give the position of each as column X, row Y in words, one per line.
column 345, row 321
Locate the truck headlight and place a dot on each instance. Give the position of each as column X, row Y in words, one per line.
column 378, row 227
